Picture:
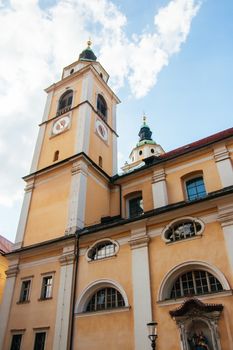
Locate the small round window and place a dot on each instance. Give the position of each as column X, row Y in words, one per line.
column 152, row 150
column 72, row 71
column 140, row 153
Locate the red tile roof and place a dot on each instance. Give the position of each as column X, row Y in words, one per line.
column 200, row 143
column 5, row 245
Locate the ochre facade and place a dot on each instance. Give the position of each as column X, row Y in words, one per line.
column 99, row 255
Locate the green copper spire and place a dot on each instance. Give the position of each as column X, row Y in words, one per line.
column 145, row 134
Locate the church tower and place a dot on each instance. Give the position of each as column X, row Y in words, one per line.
column 75, row 154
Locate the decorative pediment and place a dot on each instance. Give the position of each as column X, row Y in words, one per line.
column 194, row 306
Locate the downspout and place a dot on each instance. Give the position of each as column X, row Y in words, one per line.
column 70, row 346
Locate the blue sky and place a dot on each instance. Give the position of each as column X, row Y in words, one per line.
column 189, row 97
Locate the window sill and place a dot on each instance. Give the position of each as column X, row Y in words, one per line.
column 23, row 302
column 44, row 299
column 102, row 259
column 213, row 295
column 103, row 312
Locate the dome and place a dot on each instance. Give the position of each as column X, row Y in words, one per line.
column 145, row 134
column 87, row 54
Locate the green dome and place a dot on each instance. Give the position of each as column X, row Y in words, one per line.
column 87, row 54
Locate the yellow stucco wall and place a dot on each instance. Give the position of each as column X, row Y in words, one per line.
column 47, row 218
column 3, row 268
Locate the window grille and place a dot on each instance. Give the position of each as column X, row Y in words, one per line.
column 183, row 230
column 195, row 282
column 65, row 102
column 106, row 298
column 102, row 250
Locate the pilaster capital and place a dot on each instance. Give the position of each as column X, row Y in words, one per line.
column 159, row 175
column 79, row 168
column 29, row 187
column 67, row 259
column 139, row 238
column 225, row 215
column 221, row 153
column 12, row 271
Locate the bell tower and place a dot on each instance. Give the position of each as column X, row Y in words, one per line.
column 75, row 154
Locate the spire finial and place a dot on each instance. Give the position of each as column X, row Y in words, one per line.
column 89, row 42
column 144, row 118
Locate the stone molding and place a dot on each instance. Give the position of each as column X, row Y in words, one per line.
column 139, row 242
column 225, row 215
column 158, row 175
column 79, row 168
column 221, row 154
column 29, row 187
column 12, row 271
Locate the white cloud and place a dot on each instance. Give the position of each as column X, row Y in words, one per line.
column 35, row 44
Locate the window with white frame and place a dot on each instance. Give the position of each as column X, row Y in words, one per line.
column 47, row 285
column 106, row 298
column 16, row 341
column 25, row 291
column 195, row 282
column 65, row 102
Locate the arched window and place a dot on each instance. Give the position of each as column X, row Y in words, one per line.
column 102, row 107
column 106, row 298
column 195, row 282
column 182, row 228
column 102, row 249
column 195, row 188
column 56, row 156
column 65, row 102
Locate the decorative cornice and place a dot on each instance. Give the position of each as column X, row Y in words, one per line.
column 29, row 187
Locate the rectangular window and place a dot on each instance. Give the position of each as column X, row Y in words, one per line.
column 46, row 291
column 135, row 207
column 40, row 341
column 25, row 290
column 16, row 342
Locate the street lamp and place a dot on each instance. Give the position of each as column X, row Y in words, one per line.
column 152, row 333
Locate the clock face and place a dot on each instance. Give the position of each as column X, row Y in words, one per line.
column 61, row 125
column 101, row 130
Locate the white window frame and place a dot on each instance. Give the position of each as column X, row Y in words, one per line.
column 99, row 242
column 44, row 275
column 23, row 279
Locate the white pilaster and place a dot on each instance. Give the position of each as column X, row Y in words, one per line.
column 224, row 165
column 23, row 215
column 225, row 217
column 64, row 300
column 7, row 299
column 77, row 202
column 114, row 154
column 41, row 133
column 159, row 189
column 141, row 287
column 83, row 129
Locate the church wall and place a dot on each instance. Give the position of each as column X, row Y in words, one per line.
column 47, row 218
column 97, row 199
column 35, row 314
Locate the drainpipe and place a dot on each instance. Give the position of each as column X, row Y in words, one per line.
column 70, row 346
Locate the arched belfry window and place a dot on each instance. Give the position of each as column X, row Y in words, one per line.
column 102, row 107
column 195, row 282
column 65, row 102
column 105, row 298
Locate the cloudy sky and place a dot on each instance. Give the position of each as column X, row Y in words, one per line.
column 169, row 59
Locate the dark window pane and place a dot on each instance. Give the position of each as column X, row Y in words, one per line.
column 40, row 341
column 135, row 207
column 195, row 188
column 102, row 107
column 16, row 342
column 25, row 289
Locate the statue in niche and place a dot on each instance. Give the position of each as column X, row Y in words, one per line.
column 198, row 342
